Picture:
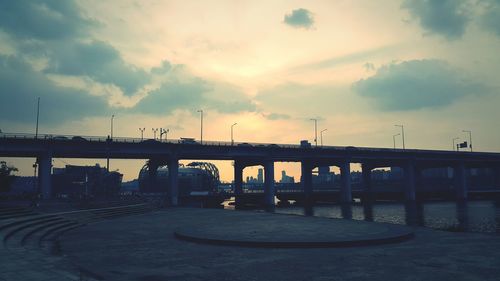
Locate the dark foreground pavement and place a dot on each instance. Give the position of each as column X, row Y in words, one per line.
column 144, row 248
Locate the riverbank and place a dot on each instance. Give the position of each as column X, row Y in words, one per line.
column 144, row 248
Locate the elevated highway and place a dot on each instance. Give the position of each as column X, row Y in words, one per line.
column 412, row 161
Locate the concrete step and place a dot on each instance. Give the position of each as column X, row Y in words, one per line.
column 17, row 215
column 13, row 236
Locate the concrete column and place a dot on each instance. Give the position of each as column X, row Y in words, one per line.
column 345, row 189
column 366, row 171
column 238, row 180
column 460, row 181
column 269, row 191
column 173, row 184
column 306, row 180
column 152, row 175
column 45, row 175
column 409, row 176
column 496, row 176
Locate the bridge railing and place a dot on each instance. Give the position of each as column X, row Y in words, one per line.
column 83, row 138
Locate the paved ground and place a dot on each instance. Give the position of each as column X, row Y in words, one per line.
column 143, row 248
column 253, row 229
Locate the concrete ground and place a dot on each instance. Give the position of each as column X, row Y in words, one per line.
column 143, row 248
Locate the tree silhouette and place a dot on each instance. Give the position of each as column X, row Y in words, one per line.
column 6, row 176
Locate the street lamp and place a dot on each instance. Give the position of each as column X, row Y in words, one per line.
column 201, row 126
column 394, row 139
column 164, row 132
column 232, row 139
column 142, row 133
column 154, row 131
column 37, row 116
column 315, row 130
column 112, row 117
column 402, row 134
column 321, row 136
column 470, row 138
column 454, row 147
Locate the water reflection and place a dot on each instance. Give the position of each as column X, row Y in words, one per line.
column 309, row 210
column 346, row 210
column 462, row 216
column 368, row 211
column 414, row 214
column 473, row 216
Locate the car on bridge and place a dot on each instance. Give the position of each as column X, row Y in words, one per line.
column 246, row 144
column 188, row 141
column 78, row 138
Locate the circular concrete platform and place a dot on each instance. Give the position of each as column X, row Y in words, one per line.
column 289, row 231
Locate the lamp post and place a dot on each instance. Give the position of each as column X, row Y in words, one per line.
column 394, row 139
column 110, row 138
column 470, row 138
column 154, row 132
column 142, row 133
column 201, row 125
column 232, row 139
column 315, row 131
column 162, row 132
column 454, row 147
column 37, row 117
column 402, row 134
column 112, row 117
column 321, row 136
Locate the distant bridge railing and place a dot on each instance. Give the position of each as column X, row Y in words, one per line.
column 83, row 138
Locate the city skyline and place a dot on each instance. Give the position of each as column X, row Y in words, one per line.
column 358, row 67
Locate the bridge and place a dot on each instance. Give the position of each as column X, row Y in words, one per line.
column 412, row 161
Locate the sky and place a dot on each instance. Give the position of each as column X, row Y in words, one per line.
column 357, row 66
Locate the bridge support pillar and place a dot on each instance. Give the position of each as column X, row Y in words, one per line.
column 44, row 175
column 152, row 173
column 496, row 177
column 269, row 191
column 409, row 176
column 238, row 181
column 173, row 183
column 345, row 189
column 459, row 174
column 366, row 171
column 306, row 180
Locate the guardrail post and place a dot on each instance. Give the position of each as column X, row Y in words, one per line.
column 345, row 189
column 238, row 181
column 269, row 191
column 306, row 180
column 173, row 184
column 45, row 174
column 460, row 179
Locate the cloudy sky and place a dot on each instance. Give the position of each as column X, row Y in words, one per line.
column 358, row 66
